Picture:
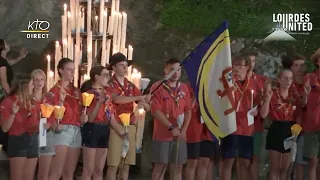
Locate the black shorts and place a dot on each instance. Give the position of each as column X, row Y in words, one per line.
column 278, row 132
column 25, row 145
column 233, row 146
column 95, row 135
column 206, row 149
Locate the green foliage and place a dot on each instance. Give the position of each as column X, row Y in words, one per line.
column 247, row 18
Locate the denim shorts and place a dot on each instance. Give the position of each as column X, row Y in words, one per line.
column 25, row 145
column 69, row 135
column 49, row 149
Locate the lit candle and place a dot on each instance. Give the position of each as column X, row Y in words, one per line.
column 102, row 12
column 48, row 71
column 252, row 91
column 69, row 46
column 64, row 22
column 96, row 24
column 119, row 31
column 123, row 30
column 56, row 61
column 65, row 52
column 89, row 16
column 104, row 38
column 89, row 53
column 117, row 5
column 51, row 83
column 72, row 11
column 115, row 30
column 130, row 52
column 111, row 23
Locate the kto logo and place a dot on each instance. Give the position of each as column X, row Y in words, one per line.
column 37, row 29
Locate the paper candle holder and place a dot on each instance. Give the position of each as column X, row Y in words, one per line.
column 46, row 110
column 144, row 82
column 59, row 112
column 296, row 129
column 87, row 99
column 125, row 119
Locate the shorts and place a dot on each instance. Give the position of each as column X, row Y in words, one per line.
column 206, row 149
column 48, row 150
column 278, row 132
column 311, row 144
column 233, row 146
column 173, row 152
column 257, row 143
column 25, row 145
column 95, row 135
column 115, row 148
column 299, row 157
column 69, row 135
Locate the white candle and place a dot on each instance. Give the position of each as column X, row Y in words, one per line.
column 252, row 91
column 136, row 78
column 119, row 31
column 69, row 35
column 65, row 52
column 72, row 11
column 104, row 38
column 113, row 5
column 57, row 59
column 51, row 83
column 123, row 30
column 117, row 5
column 115, row 29
column 111, row 23
column 89, row 16
column 130, row 52
column 48, row 71
column 89, row 53
column 76, row 64
column 101, row 23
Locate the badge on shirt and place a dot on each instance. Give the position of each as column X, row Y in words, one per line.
column 180, row 120
column 50, row 95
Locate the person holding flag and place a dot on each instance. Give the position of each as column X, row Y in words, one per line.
column 125, row 93
column 171, row 109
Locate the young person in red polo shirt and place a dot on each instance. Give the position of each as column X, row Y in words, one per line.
column 171, row 108
column 67, row 136
column 312, row 120
column 284, row 109
column 240, row 143
column 259, row 82
column 124, row 95
column 95, row 133
column 19, row 117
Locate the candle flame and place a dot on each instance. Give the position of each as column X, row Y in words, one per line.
column 96, row 17
column 252, row 91
column 65, row 6
column 141, row 110
column 135, row 71
column 51, row 74
column 86, row 77
column 124, row 14
column 57, row 43
column 64, row 41
column 89, row 48
column 48, row 57
column 105, row 12
column 130, row 47
column 69, row 14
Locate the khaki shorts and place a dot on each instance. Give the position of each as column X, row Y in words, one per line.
column 115, row 148
column 311, row 144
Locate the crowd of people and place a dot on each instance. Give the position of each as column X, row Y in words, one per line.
column 182, row 143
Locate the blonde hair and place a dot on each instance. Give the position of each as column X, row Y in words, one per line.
column 40, row 72
column 21, row 90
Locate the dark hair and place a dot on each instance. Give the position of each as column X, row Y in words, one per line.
column 171, row 61
column 296, row 57
column 2, row 45
column 241, row 57
column 96, row 70
column 62, row 63
column 86, row 86
column 18, row 81
column 288, row 60
column 249, row 52
column 283, row 70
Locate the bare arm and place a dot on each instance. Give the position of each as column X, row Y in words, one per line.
column 125, row 99
column 162, row 118
column 6, row 124
column 14, row 61
column 146, row 107
column 94, row 113
column 264, row 110
column 186, row 122
column 3, row 78
column 116, row 126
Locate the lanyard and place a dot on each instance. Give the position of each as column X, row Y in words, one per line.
column 174, row 94
column 285, row 105
column 242, row 89
column 124, row 89
column 106, row 109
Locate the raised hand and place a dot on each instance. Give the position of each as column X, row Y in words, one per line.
column 15, row 107
column 307, row 87
column 268, row 90
column 23, row 52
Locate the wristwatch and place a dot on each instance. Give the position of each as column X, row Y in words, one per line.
column 171, row 128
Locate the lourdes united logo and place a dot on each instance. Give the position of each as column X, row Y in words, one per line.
column 289, row 24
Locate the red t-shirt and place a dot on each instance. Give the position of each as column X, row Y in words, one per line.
column 259, row 82
column 106, row 109
column 171, row 107
column 195, row 127
column 243, row 98
column 312, row 109
column 23, row 119
column 281, row 109
column 205, row 134
column 127, row 89
column 72, row 103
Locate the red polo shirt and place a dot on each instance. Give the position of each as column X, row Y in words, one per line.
column 72, row 103
column 281, row 109
column 22, row 120
column 106, row 109
column 127, row 89
column 243, row 96
column 170, row 106
column 195, row 127
column 312, row 109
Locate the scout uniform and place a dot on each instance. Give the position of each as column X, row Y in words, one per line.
column 173, row 103
column 283, row 113
column 311, row 125
column 70, row 134
column 115, row 141
column 23, row 137
column 96, row 134
column 240, row 143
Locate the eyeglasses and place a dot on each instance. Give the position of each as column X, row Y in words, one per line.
column 105, row 75
column 239, row 65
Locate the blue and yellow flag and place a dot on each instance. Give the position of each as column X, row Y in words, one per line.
column 210, row 74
